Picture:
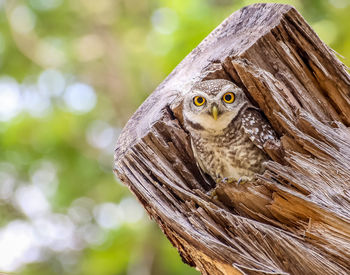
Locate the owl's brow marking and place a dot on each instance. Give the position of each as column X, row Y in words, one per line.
column 210, row 88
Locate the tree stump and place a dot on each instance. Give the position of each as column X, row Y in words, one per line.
column 293, row 219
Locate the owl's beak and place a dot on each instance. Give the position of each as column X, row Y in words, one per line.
column 214, row 112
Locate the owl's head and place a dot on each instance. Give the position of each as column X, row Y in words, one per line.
column 212, row 104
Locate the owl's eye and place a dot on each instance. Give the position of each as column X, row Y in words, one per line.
column 198, row 100
column 228, row 97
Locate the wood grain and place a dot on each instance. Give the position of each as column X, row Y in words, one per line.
column 293, row 219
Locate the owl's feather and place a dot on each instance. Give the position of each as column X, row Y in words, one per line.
column 256, row 127
column 201, row 167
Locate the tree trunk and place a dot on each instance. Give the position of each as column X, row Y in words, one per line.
column 293, row 219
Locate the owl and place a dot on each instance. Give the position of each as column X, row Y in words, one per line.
column 227, row 132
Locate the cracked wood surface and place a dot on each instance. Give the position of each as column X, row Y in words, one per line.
column 293, row 219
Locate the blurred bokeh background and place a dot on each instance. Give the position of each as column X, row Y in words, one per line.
column 71, row 73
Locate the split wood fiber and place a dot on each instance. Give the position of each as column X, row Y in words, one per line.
column 293, row 219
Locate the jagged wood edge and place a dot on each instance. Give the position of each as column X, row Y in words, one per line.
column 188, row 216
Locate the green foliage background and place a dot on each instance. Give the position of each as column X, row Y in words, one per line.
column 56, row 157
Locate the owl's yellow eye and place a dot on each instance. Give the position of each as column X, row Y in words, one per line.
column 228, row 97
column 198, row 100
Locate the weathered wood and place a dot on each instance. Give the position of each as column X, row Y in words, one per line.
column 295, row 218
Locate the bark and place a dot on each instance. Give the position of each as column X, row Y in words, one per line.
column 293, row 219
